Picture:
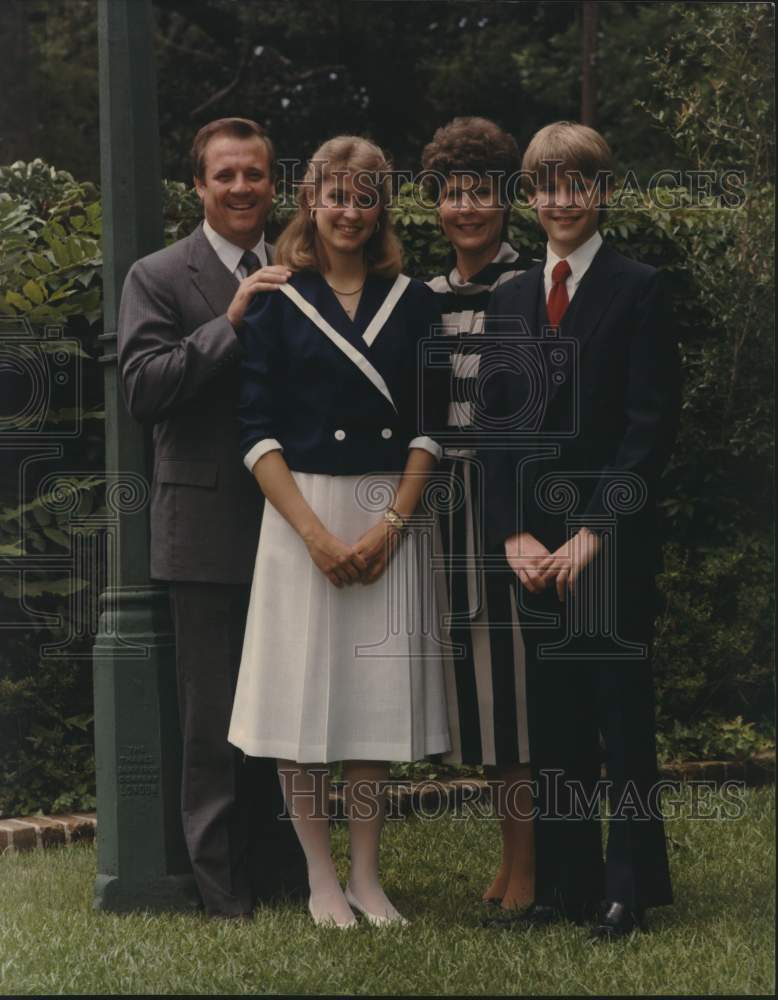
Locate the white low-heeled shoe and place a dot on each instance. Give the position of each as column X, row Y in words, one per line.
column 376, row 919
column 329, row 920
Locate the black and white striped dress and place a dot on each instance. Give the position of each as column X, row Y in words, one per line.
column 485, row 666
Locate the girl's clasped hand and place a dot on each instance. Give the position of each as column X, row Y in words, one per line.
column 363, row 562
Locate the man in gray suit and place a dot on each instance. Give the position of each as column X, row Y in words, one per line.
column 178, row 359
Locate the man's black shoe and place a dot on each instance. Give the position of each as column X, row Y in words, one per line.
column 617, row 921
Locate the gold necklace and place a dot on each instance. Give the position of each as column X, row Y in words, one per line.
column 339, row 292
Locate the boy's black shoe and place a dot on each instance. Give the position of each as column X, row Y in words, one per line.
column 617, row 921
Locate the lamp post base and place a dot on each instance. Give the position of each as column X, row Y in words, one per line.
column 171, row 892
column 142, row 860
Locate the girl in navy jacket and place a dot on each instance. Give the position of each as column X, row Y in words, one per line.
column 339, row 658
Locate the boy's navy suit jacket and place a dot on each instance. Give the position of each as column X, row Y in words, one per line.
column 602, row 422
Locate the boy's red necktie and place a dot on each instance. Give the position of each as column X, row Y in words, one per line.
column 557, row 297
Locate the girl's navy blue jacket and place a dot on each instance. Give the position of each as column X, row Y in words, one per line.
column 341, row 397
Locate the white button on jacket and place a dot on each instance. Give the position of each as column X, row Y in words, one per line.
column 340, row 435
column 386, row 433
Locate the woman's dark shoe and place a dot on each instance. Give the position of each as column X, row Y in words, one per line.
column 617, row 921
column 534, row 915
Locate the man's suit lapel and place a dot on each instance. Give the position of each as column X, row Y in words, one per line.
column 523, row 307
column 586, row 311
column 211, row 278
column 594, row 294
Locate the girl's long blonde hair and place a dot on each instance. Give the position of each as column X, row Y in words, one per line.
column 297, row 247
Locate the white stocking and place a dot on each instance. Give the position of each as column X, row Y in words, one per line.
column 306, row 792
column 365, row 807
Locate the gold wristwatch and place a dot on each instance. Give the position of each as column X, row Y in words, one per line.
column 395, row 520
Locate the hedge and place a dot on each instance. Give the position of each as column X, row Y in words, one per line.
column 712, row 653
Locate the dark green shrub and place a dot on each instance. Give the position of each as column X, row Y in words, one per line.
column 712, row 738
column 713, row 640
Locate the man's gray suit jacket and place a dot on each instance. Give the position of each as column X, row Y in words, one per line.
column 178, row 363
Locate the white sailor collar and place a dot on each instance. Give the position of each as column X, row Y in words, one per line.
column 372, row 330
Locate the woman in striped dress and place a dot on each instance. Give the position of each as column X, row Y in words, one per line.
column 470, row 160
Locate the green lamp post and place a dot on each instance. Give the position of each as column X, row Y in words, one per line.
column 142, row 858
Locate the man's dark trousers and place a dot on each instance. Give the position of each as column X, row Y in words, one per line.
column 239, row 839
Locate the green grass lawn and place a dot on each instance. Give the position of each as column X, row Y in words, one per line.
column 717, row 939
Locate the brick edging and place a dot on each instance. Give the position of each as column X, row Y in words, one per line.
column 754, row 772
column 27, row 832
column 24, row 833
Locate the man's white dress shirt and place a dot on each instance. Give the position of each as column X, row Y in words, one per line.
column 579, row 261
column 230, row 254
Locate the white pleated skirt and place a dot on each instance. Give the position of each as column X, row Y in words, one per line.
column 332, row 674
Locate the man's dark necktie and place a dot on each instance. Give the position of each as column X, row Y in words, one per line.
column 249, row 262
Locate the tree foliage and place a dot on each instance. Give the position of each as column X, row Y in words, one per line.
column 394, row 70
column 711, row 110
column 714, row 96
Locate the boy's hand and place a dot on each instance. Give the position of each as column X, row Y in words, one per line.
column 569, row 560
column 528, row 557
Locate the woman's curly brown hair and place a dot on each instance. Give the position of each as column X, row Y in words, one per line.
column 472, row 145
